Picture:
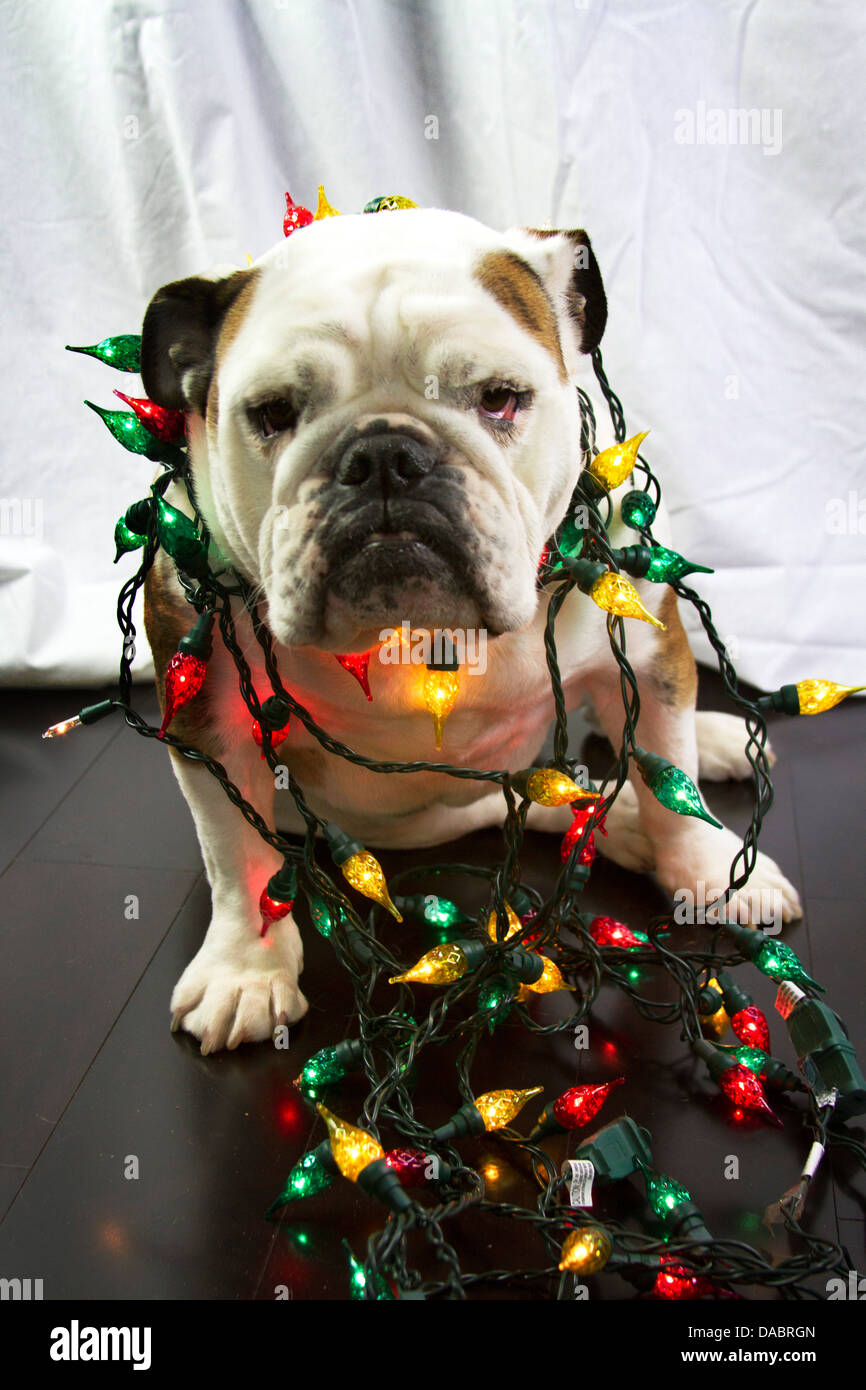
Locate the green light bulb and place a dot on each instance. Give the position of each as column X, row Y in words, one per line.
column 307, row 1178
column 781, row 963
column 772, row 958
column 122, row 351
column 178, row 536
column 671, row 787
column 664, row 1193
column 570, row 538
column 126, row 540
column 666, row 565
column 441, row 912
column 752, row 1057
column 638, row 510
column 321, row 915
column 495, row 998
column 358, row 1281
column 332, row 1063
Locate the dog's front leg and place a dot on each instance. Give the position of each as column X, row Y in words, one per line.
column 692, row 857
column 239, row 986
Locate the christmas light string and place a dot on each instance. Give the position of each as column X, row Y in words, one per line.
column 499, row 965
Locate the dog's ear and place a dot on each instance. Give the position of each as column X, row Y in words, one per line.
column 566, row 264
column 179, row 335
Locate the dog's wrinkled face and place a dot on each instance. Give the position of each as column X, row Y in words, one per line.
column 383, row 425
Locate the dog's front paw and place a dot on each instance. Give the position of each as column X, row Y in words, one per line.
column 699, row 871
column 722, row 740
column 225, row 999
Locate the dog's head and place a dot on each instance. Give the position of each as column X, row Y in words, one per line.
column 382, row 420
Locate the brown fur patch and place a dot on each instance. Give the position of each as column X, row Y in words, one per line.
column 167, row 618
column 521, row 292
column 673, row 674
column 229, row 329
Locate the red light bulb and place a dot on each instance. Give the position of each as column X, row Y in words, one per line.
column 605, row 931
column 272, row 910
column 184, row 678
column 576, row 1107
column 162, row 423
column 583, row 813
column 751, row 1027
column 675, row 1281
column 295, row 216
column 277, row 735
column 743, row 1088
column 412, row 1166
column 358, row 665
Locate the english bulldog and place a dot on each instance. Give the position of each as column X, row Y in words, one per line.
column 383, row 427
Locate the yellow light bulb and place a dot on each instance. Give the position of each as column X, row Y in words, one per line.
column 717, row 1023
column 586, row 1251
column 550, row 979
column 353, row 1149
column 815, row 696
column 523, row 994
column 441, row 966
column 514, row 923
column 324, row 208
column 364, row 872
column 612, row 466
column 440, row 697
column 616, row 594
column 498, row 1108
column 548, row 787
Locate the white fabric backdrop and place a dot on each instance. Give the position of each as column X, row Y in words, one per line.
column 150, row 139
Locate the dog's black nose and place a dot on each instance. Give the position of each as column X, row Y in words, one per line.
column 384, row 463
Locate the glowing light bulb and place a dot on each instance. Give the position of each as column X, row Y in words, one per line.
column 359, row 867
column 295, row 216
column 574, row 1108
column 308, row 1177
column 389, row 203
column 615, row 594
column 743, row 1089
column 441, row 688
column 547, row 786
column 672, row 787
column 498, row 1108
column 550, row 979
column 638, row 510
column 750, row 1026
column 363, row 872
column 612, row 466
column 675, row 1281
column 664, row 1193
column 585, row 1251
column 815, row 696
column 169, row 425
column 514, row 923
column 606, row 931
column 324, row 208
column 358, row 665
column 122, row 351
column 353, row 1149
column 441, row 966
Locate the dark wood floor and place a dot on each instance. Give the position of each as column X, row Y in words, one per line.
column 92, row 1074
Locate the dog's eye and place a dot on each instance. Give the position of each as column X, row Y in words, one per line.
column 276, row 416
column 498, row 403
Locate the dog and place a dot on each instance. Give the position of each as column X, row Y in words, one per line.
column 383, row 426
